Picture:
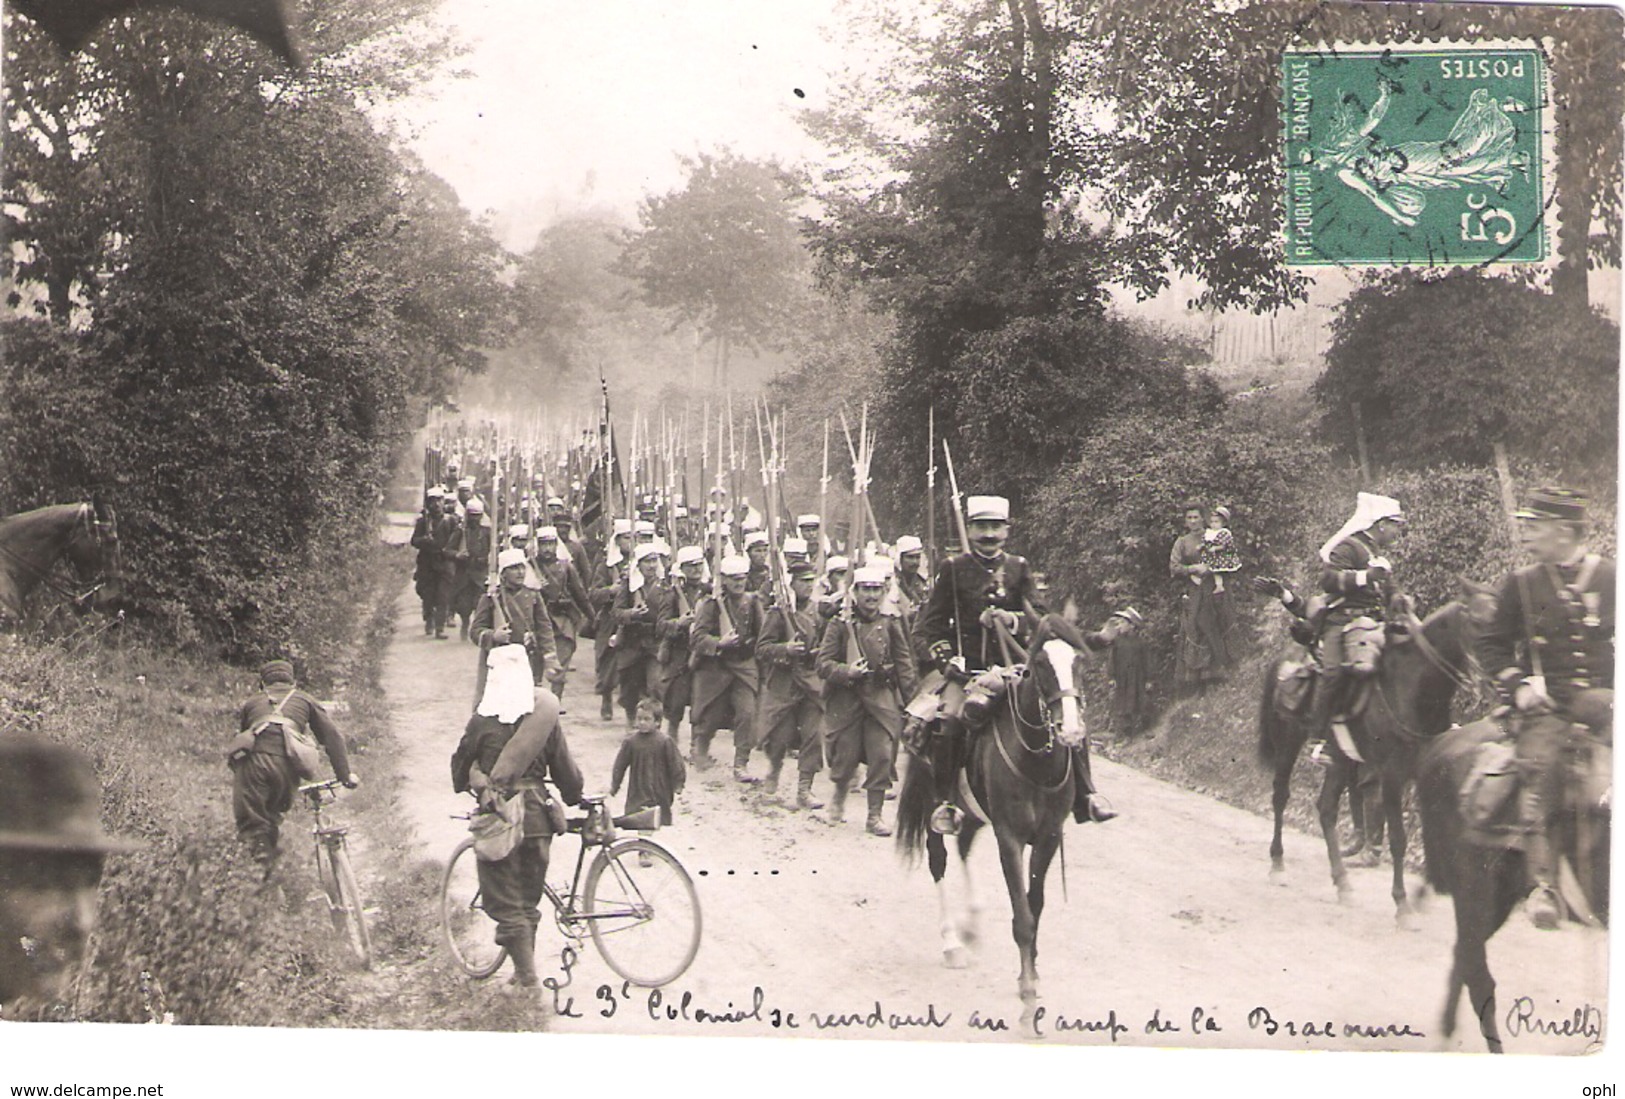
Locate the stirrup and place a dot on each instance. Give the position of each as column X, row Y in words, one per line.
column 946, row 819
column 1318, row 755
column 1100, row 808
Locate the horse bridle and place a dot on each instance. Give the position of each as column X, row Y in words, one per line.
column 1050, row 725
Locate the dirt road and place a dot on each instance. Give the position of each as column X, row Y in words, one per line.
column 1170, row 932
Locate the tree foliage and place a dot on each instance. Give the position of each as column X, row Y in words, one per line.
column 723, row 254
column 1439, row 370
column 235, row 286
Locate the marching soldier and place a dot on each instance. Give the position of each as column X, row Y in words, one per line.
column 672, row 628
column 1550, row 649
column 430, row 537
column 913, row 586
column 865, row 661
column 723, row 640
column 471, row 561
column 811, row 529
column 1358, row 580
column 638, row 604
column 564, row 523
column 760, row 579
column 566, row 597
column 611, row 576
column 976, row 594
column 524, row 622
column 792, row 703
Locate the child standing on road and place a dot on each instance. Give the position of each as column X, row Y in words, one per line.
column 655, row 764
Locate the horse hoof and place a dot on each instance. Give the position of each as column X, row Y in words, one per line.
column 1405, row 920
column 1345, row 894
column 1369, row 858
column 1278, row 876
column 955, row 958
column 968, row 933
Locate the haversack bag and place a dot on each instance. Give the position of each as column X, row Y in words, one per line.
column 298, row 745
column 1490, row 784
column 498, row 831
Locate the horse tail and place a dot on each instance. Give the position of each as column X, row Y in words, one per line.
column 915, row 803
column 1268, row 720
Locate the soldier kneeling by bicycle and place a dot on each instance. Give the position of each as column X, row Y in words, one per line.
column 1550, row 650
column 513, row 744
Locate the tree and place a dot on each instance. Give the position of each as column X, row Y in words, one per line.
column 723, row 254
column 1439, row 370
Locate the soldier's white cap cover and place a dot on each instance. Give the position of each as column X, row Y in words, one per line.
column 466, row 482
column 475, row 507
column 808, row 520
column 756, row 538
column 836, row 563
column 884, row 565
column 661, row 545
column 642, row 526
column 690, row 555
column 434, row 492
column 554, row 502
column 648, row 549
column 510, row 557
column 869, row 577
column 623, row 526
column 735, row 566
column 547, row 534
column 996, row 508
column 519, row 530
column 795, row 545
column 909, row 544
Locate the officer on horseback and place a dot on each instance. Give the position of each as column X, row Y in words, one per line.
column 1358, row 581
column 1550, row 649
column 978, row 596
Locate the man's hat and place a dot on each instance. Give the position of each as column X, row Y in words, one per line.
column 1554, row 503
column 756, row 538
column 996, row 508
column 50, row 799
column 795, row 545
column 623, row 526
column 465, row 482
column 554, row 502
column 434, row 492
column 690, row 555
column 647, row 549
column 908, row 543
column 836, row 563
column 642, row 526
column 869, row 577
column 808, row 520
column 547, row 534
column 1131, row 616
column 803, row 570
column 735, row 566
column 277, row 671
column 474, row 507
column 510, row 557
column 519, row 530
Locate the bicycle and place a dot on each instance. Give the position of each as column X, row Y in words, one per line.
column 637, row 903
column 333, row 870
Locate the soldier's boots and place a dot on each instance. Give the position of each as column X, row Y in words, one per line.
column 1328, row 696
column 874, row 825
column 522, row 951
column 837, row 805
column 606, row 707
column 1087, row 806
column 1544, row 908
column 804, row 794
column 700, row 752
column 770, row 784
column 741, row 768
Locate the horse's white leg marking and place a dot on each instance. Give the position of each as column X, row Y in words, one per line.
column 953, row 950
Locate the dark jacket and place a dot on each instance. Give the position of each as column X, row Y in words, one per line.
column 482, row 744
column 882, row 690
column 1568, row 618
column 305, row 712
column 967, row 585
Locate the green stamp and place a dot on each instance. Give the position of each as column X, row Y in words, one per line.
column 1429, row 155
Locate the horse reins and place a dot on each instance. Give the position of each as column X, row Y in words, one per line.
column 43, row 575
column 1047, row 749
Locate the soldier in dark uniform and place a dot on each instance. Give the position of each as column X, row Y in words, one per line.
column 955, row 635
column 430, row 537
column 643, row 599
column 1358, row 581
column 263, row 780
column 564, row 523
column 791, row 711
column 672, row 629
column 864, row 660
column 525, row 620
column 757, row 548
column 725, row 673
column 471, row 563
column 568, row 604
column 611, row 577
column 1550, row 650
column 913, row 588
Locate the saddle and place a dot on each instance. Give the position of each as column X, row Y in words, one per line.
column 1486, row 797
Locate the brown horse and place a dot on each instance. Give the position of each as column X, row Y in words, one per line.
column 1407, row 703
column 1019, row 778
column 1483, row 872
column 32, row 543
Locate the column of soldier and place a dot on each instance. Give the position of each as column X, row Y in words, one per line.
column 740, row 618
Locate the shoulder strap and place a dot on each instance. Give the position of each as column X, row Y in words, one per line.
column 1522, row 578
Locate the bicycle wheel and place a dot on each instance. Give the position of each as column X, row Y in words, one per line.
column 469, row 932
column 344, row 901
column 643, row 912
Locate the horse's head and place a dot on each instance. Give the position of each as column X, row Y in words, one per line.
column 94, row 553
column 1055, row 662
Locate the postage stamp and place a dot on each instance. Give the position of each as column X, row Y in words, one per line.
column 1426, row 155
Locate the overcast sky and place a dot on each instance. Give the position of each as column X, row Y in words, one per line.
column 576, row 104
